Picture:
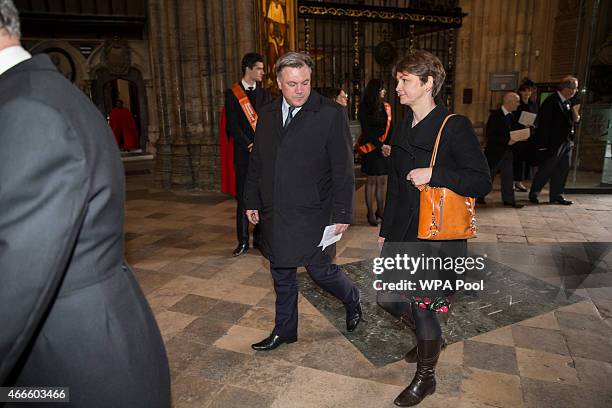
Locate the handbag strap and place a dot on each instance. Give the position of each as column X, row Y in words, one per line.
column 435, row 149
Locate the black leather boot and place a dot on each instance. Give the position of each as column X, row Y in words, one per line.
column 408, row 320
column 424, row 381
column 411, row 355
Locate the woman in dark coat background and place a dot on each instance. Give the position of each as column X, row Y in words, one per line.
column 520, row 150
column 375, row 164
column 460, row 166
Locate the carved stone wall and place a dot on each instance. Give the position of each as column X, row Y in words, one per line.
column 195, row 50
column 501, row 36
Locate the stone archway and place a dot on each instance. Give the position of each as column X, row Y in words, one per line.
column 104, row 92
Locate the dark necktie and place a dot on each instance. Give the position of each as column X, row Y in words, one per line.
column 289, row 117
column 510, row 120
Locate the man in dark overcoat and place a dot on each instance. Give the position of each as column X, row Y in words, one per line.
column 241, row 131
column 499, row 146
column 555, row 142
column 300, row 181
column 71, row 311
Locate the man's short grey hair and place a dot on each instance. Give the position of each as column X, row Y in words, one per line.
column 568, row 82
column 9, row 18
column 293, row 60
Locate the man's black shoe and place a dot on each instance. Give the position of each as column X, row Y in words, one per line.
column 562, row 201
column 481, row 200
column 515, row 205
column 534, row 198
column 520, row 187
column 353, row 317
column 240, row 249
column 272, row 342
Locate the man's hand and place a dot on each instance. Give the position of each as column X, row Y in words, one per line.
column 419, row 177
column 340, row 228
column 386, row 150
column 253, row 216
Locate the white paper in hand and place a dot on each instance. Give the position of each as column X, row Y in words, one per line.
column 329, row 236
column 527, row 118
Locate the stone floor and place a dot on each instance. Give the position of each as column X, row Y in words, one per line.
column 210, row 307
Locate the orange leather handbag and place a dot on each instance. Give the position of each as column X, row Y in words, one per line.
column 444, row 214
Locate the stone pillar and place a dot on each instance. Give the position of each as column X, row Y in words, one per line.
column 195, row 50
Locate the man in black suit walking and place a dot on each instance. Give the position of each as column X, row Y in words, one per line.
column 242, row 101
column 499, row 146
column 300, row 181
column 71, row 311
column 555, row 142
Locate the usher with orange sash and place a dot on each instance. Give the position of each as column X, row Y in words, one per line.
column 245, row 104
column 369, row 147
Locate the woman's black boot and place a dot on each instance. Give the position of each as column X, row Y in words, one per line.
column 424, row 381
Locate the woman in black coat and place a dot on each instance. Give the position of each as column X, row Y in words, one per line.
column 375, row 164
column 460, row 166
column 520, row 150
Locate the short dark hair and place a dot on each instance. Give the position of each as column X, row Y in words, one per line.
column 423, row 64
column 527, row 83
column 371, row 102
column 293, row 60
column 249, row 60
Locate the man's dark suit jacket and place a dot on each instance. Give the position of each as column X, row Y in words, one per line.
column 238, row 126
column 555, row 124
column 71, row 311
column 301, row 180
column 498, row 136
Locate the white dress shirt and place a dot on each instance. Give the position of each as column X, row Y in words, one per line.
column 285, row 110
column 248, row 87
column 11, row 56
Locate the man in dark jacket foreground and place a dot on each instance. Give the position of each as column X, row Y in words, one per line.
column 301, row 180
column 72, row 312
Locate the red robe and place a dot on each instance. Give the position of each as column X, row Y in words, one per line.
column 122, row 123
column 226, row 147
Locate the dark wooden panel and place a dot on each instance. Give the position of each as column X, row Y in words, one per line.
column 136, row 7
column 88, row 6
column 73, row 6
column 119, row 6
column 56, row 6
column 103, row 7
column 38, row 6
column 22, row 4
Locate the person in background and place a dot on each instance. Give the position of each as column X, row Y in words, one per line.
column 376, row 128
column 72, row 312
column 242, row 102
column 499, row 147
column 555, row 141
column 335, row 94
column 521, row 149
column 123, row 125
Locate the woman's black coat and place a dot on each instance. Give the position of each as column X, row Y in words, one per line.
column 461, row 166
column 301, row 180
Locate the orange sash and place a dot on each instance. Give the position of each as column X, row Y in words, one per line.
column 245, row 104
column 368, row 147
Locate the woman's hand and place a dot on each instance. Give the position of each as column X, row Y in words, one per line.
column 420, row 176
